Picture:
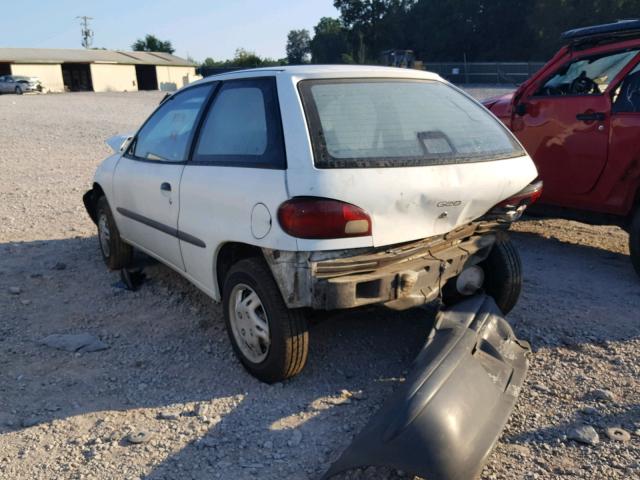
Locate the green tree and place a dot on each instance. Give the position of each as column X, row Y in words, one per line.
column 210, row 62
column 329, row 43
column 298, row 48
column 151, row 43
column 373, row 23
column 569, row 14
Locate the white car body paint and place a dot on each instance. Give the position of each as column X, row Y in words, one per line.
column 215, row 203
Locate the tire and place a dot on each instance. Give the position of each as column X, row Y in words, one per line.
column 18, row 91
column 503, row 274
column 115, row 253
column 285, row 330
column 634, row 241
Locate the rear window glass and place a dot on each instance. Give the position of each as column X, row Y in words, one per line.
column 393, row 123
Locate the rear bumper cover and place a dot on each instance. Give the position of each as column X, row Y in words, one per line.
column 444, row 420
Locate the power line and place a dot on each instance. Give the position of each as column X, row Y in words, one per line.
column 87, row 33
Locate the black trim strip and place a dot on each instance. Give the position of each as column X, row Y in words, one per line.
column 185, row 237
column 174, row 232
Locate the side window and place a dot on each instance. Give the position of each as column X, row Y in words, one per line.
column 243, row 127
column 626, row 98
column 586, row 76
column 166, row 135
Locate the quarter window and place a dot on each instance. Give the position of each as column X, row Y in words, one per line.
column 166, row 135
column 242, row 127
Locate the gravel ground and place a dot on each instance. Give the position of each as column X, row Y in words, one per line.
column 170, row 381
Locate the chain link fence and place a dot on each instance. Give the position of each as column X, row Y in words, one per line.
column 485, row 72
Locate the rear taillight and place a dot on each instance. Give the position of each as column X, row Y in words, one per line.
column 530, row 194
column 513, row 207
column 321, row 218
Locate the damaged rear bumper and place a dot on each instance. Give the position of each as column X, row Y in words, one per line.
column 444, row 420
column 400, row 277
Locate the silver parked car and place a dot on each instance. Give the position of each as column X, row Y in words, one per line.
column 18, row 84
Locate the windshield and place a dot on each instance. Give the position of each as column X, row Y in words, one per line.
column 393, row 123
column 20, row 78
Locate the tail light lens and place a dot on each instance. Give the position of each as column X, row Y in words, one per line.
column 530, row 194
column 513, row 207
column 321, row 218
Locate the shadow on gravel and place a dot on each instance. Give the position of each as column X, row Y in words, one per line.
column 169, row 351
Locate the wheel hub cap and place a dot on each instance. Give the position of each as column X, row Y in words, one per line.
column 249, row 323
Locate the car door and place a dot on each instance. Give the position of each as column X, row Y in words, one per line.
column 565, row 123
column 11, row 84
column 624, row 151
column 146, row 183
column 4, row 84
column 235, row 181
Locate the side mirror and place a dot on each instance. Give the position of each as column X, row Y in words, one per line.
column 522, row 109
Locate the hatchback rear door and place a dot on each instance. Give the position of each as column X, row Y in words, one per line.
column 419, row 156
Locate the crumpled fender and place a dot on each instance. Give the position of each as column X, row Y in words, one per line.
column 445, row 419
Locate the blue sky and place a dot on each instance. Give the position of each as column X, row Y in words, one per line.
column 200, row 28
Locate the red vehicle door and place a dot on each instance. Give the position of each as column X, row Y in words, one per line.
column 564, row 122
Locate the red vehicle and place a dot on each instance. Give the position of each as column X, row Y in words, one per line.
column 579, row 118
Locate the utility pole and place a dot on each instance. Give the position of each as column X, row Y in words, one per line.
column 87, row 33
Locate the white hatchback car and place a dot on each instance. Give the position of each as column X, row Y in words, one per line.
column 286, row 189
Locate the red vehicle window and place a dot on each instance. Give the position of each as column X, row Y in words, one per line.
column 626, row 98
column 586, row 76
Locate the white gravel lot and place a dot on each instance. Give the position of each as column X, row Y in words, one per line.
column 170, row 371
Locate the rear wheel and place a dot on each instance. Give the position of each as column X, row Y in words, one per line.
column 634, row 241
column 271, row 341
column 503, row 274
column 115, row 253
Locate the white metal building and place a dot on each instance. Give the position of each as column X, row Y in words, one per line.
column 98, row 70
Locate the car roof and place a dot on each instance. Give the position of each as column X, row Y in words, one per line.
column 327, row 71
column 606, row 33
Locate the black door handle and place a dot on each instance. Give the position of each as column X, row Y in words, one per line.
column 591, row 117
column 165, row 187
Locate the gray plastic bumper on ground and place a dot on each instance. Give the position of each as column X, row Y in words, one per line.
column 444, row 420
